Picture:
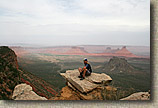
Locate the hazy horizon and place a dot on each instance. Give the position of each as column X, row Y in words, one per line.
column 39, row 45
column 75, row 22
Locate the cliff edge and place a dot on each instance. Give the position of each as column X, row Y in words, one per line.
column 93, row 87
column 11, row 76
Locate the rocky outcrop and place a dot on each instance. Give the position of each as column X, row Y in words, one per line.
column 76, row 50
column 8, row 56
column 89, row 83
column 66, row 94
column 99, row 93
column 93, row 87
column 39, row 86
column 119, row 65
column 138, row 96
column 9, row 74
column 109, row 50
column 124, row 52
column 25, row 92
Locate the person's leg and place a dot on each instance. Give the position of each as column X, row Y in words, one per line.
column 80, row 70
column 84, row 73
column 88, row 73
column 81, row 74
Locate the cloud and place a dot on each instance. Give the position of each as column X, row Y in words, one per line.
column 50, row 18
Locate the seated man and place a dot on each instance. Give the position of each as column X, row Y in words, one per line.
column 86, row 70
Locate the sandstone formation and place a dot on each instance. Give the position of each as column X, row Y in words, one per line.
column 76, row 50
column 11, row 75
column 39, row 86
column 109, row 50
column 120, row 65
column 80, row 50
column 25, row 92
column 94, row 87
column 89, row 83
column 138, row 96
column 124, row 52
column 99, row 93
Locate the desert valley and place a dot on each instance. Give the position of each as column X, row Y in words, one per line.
column 128, row 66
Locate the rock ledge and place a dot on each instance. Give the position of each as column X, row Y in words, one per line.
column 89, row 83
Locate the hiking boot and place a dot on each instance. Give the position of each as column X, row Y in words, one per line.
column 79, row 77
column 82, row 78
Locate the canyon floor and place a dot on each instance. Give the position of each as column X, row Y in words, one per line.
column 49, row 66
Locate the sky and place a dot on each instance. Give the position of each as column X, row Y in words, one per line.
column 75, row 22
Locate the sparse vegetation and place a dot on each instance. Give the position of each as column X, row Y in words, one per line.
column 45, row 71
column 125, row 83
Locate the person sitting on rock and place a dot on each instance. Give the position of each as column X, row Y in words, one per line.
column 86, row 70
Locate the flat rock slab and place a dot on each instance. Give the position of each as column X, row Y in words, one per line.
column 89, row 83
column 99, row 78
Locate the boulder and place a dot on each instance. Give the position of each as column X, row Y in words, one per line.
column 24, row 92
column 138, row 96
column 89, row 83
